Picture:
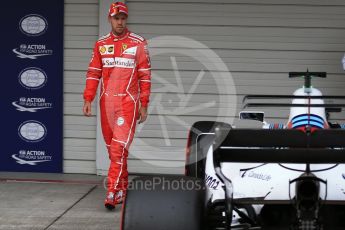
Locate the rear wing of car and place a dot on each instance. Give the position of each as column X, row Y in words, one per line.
column 279, row 146
column 247, row 101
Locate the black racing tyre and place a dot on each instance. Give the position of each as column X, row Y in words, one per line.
column 200, row 139
column 164, row 203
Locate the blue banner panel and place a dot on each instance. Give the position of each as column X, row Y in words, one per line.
column 32, row 90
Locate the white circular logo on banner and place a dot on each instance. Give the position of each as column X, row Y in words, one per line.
column 32, row 131
column 32, row 78
column 33, row 25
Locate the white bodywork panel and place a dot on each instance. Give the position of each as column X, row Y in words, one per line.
column 271, row 181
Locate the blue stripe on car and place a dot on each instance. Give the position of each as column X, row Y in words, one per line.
column 306, row 122
column 306, row 117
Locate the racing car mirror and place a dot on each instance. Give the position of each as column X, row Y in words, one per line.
column 252, row 115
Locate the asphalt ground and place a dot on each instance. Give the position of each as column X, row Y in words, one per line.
column 54, row 201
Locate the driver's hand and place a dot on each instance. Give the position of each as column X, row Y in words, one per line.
column 142, row 114
column 87, row 108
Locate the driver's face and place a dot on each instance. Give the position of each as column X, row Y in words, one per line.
column 118, row 23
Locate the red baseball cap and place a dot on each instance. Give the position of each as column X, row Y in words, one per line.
column 118, row 7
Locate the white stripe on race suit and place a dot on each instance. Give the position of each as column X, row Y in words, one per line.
column 121, row 169
column 144, row 69
column 95, row 68
column 92, row 78
column 103, row 91
column 146, row 80
column 122, row 142
column 139, row 41
column 104, row 37
column 137, row 36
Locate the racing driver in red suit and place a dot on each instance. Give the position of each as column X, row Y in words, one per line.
column 121, row 64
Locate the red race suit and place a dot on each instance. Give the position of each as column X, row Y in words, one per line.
column 122, row 65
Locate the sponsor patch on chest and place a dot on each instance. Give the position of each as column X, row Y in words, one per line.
column 118, row 62
column 106, row 49
column 131, row 51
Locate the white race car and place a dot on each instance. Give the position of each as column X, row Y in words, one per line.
column 278, row 176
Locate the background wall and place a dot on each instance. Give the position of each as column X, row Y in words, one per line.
column 259, row 42
column 81, row 32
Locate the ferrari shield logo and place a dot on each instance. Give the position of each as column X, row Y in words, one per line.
column 124, row 47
